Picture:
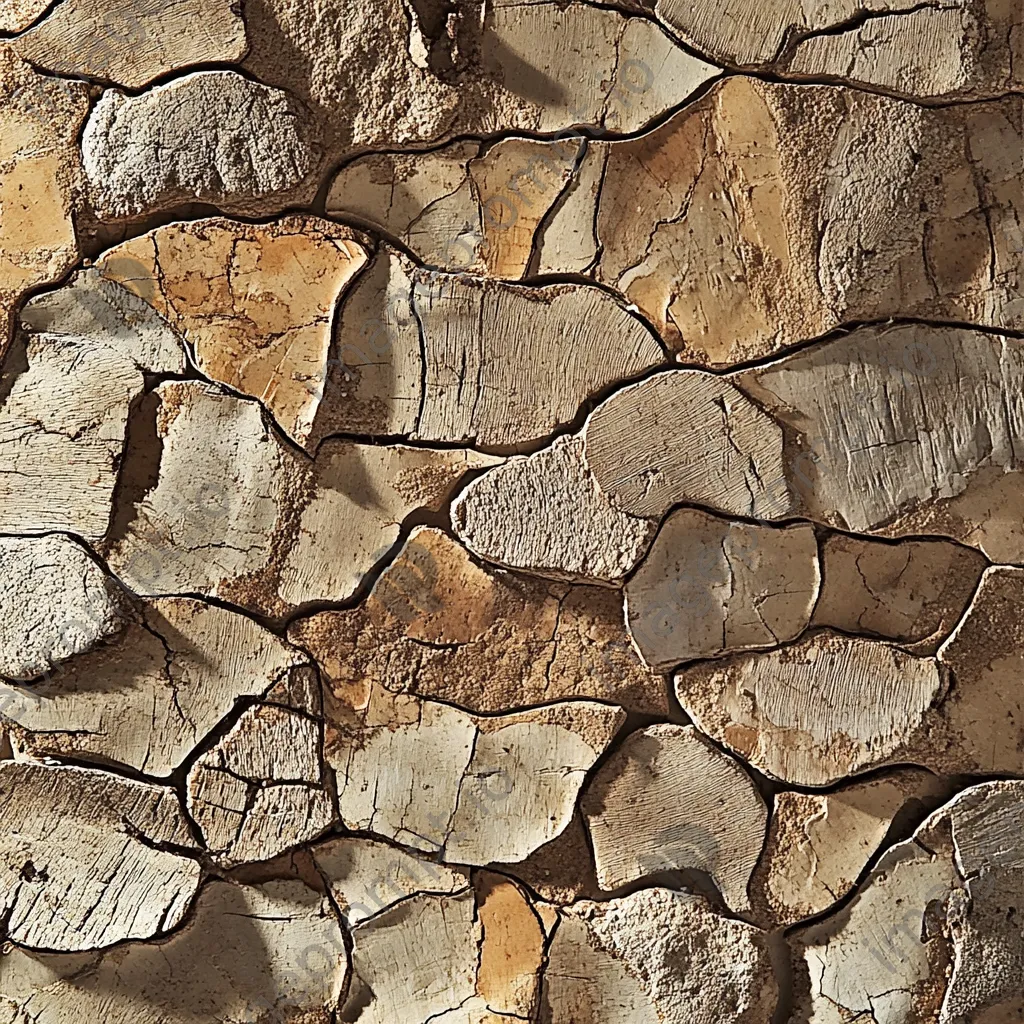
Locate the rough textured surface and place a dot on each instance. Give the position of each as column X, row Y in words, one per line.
column 254, row 302
column 16, row 15
column 438, row 625
column 40, row 178
column 141, row 154
column 148, row 699
column 132, row 42
column 939, row 910
column 56, row 603
column 235, row 512
column 710, row 587
column 667, row 800
column 634, row 960
column 89, row 859
column 819, row 845
column 474, row 790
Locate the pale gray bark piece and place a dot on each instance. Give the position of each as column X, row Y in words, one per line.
column 415, row 961
column 824, row 708
column 687, row 436
column 709, row 587
column 565, row 526
column 262, row 789
column 667, row 800
column 148, row 699
column 88, row 858
column 368, row 877
column 248, row 955
column 56, row 602
column 930, row 936
column 474, row 790
column 962, row 49
column 819, row 845
column 236, row 513
column 905, row 429
column 253, row 153
column 91, row 306
column 656, row 957
column 132, row 42
column 438, row 625
column 914, row 592
column 566, row 242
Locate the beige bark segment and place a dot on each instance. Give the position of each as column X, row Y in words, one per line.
column 764, row 215
column 667, row 800
column 262, row 789
column 86, row 861
column 438, row 625
column 236, row 960
column 810, row 714
column 930, row 936
column 565, row 525
column 905, row 430
column 818, row 846
column 255, row 302
column 132, row 42
column 709, row 587
column 367, row 877
column 475, row 790
column 148, row 699
column 687, row 436
column 964, row 49
column 656, row 957
column 914, row 592
column 235, row 513
column 56, row 603
column 465, row 207
column 253, row 154
column 40, row 177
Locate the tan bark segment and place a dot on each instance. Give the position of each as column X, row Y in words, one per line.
column 56, row 603
column 450, row 357
column 474, row 790
column 262, row 789
column 87, row 859
column 254, row 302
column 147, row 699
column 831, row 706
column 904, row 430
column 236, row 960
column 566, row 526
column 709, row 587
column 437, row 625
column 963, row 49
column 771, row 214
column 930, row 936
column 914, row 592
column 812, row 713
column 667, row 800
column 132, row 43
column 818, row 845
column 656, row 956
column 234, row 512
column 17, row 15
column 40, row 178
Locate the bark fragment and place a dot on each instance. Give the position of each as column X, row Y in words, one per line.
column 87, row 858
column 709, row 587
column 132, row 43
column 437, row 625
column 667, row 800
column 236, row 513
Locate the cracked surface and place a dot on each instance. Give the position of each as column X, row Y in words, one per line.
column 510, row 512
